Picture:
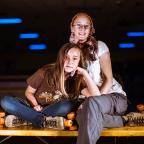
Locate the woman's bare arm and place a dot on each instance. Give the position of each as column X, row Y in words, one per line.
column 105, row 63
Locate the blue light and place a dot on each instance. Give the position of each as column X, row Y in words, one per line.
column 126, row 45
column 28, row 35
column 10, row 20
column 37, row 47
column 135, row 34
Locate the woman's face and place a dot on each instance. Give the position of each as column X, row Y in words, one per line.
column 72, row 60
column 81, row 28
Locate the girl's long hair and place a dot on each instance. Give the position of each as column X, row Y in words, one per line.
column 58, row 76
column 90, row 47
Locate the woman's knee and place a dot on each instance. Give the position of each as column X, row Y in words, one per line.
column 92, row 100
column 121, row 107
column 94, row 103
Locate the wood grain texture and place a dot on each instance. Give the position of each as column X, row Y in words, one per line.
column 30, row 131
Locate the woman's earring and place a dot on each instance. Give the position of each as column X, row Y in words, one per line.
column 71, row 39
column 72, row 33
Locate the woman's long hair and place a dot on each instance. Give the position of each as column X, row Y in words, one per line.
column 58, row 76
column 89, row 48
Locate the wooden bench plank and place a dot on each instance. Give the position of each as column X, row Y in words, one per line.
column 30, row 131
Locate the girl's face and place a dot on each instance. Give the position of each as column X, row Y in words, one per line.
column 81, row 28
column 71, row 60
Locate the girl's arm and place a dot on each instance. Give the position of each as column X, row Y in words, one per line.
column 92, row 89
column 105, row 62
column 29, row 93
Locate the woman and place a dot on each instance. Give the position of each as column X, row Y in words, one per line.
column 106, row 109
column 52, row 91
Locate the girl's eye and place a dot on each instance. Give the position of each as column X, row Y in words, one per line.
column 75, row 58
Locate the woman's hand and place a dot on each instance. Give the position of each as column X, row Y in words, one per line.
column 38, row 107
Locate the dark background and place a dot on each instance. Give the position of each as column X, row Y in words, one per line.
column 51, row 19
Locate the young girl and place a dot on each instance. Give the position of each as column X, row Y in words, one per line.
column 53, row 91
column 106, row 109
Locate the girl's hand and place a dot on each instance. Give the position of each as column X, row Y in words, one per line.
column 81, row 71
column 78, row 70
column 38, row 107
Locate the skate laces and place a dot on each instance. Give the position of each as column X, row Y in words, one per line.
column 18, row 121
column 54, row 122
column 135, row 119
column 51, row 123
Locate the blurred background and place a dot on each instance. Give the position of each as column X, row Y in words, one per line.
column 32, row 32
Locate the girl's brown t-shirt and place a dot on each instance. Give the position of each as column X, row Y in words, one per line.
column 47, row 94
column 44, row 93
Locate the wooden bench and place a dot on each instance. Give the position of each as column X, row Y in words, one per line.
column 31, row 131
